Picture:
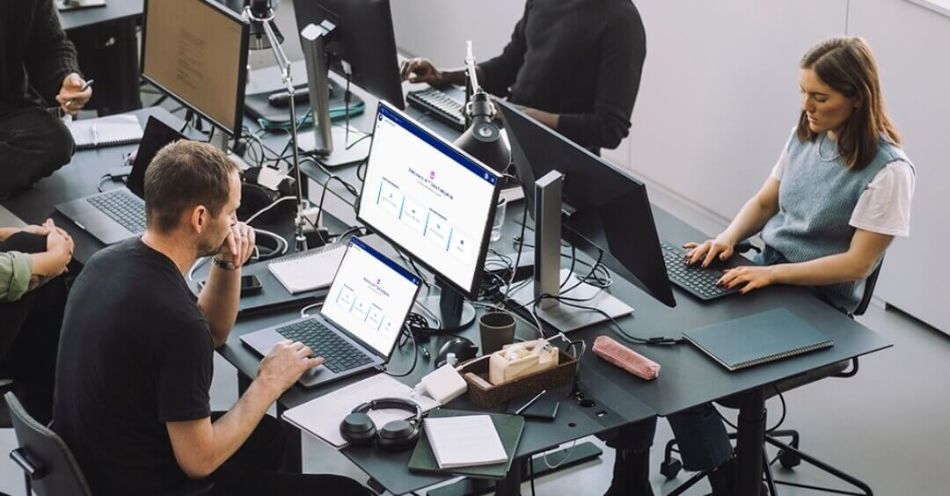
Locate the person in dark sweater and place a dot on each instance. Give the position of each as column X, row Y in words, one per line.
column 38, row 69
column 135, row 358
column 574, row 65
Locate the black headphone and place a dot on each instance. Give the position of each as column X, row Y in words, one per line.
column 359, row 430
column 255, row 197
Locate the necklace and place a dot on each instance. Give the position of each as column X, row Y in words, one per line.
column 821, row 141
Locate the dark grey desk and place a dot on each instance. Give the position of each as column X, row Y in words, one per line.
column 115, row 10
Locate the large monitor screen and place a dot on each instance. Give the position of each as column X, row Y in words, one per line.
column 196, row 51
column 431, row 199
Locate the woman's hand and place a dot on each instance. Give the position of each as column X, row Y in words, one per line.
column 708, row 251
column 749, row 277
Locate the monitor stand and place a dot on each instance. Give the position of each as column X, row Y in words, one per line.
column 567, row 318
column 548, row 274
column 328, row 142
column 453, row 312
column 341, row 155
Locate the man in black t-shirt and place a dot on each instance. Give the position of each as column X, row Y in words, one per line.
column 574, row 65
column 135, row 356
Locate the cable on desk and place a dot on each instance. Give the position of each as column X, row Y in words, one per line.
column 102, row 181
column 282, row 245
column 415, row 353
column 303, row 311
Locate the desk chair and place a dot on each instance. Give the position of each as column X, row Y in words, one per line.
column 789, row 456
column 49, row 467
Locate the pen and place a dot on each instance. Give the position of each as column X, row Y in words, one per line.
column 84, row 88
column 529, row 403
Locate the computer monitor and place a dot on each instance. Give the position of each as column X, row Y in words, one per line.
column 196, row 51
column 433, row 201
column 607, row 212
column 364, row 38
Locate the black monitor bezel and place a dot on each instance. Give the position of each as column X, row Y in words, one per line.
column 471, row 292
column 234, row 128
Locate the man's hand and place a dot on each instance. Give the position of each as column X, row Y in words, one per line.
column 72, row 97
column 420, row 70
column 239, row 245
column 285, row 363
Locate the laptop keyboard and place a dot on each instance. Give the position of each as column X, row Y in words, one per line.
column 693, row 278
column 338, row 353
column 123, row 207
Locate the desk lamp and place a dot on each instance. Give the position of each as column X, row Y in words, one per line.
column 482, row 139
column 261, row 15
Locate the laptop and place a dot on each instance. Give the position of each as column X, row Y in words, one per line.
column 119, row 213
column 360, row 321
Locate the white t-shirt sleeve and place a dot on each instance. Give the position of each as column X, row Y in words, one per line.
column 779, row 169
column 884, row 207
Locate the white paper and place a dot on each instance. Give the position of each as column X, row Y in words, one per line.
column 321, row 417
column 466, row 441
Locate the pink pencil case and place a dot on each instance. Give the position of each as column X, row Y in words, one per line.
column 625, row 358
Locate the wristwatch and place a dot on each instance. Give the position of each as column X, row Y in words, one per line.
column 223, row 264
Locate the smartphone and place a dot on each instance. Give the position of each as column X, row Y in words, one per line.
column 249, row 285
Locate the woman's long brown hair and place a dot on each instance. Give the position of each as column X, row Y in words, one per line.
column 847, row 65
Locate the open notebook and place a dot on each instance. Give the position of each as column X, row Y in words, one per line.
column 106, row 131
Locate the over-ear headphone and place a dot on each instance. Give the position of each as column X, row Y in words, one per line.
column 256, row 196
column 359, row 430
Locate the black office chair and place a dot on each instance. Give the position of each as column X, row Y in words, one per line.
column 49, row 468
column 789, row 455
column 45, row 459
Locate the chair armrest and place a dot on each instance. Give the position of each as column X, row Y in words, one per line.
column 31, row 469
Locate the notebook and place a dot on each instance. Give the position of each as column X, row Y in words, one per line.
column 757, row 339
column 309, row 270
column 106, row 131
column 508, row 427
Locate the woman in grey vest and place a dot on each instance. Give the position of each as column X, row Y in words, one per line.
column 839, row 193
column 841, row 189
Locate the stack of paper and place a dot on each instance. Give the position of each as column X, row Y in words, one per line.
column 464, row 441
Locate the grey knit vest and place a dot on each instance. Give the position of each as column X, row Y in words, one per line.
column 817, row 196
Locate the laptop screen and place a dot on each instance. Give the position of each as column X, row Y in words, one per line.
column 157, row 134
column 370, row 297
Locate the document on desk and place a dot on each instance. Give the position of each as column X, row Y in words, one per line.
column 321, row 417
column 467, row 441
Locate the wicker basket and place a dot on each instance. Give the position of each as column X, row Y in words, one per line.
column 486, row 395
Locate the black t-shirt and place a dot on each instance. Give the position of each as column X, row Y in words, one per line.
column 580, row 59
column 135, row 352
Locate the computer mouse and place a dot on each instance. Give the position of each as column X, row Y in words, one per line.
column 463, row 348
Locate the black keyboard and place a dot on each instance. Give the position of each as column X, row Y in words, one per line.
column 692, row 278
column 338, row 353
column 442, row 106
column 123, row 207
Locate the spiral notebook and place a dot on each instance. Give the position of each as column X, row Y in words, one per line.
column 106, row 131
column 758, row 339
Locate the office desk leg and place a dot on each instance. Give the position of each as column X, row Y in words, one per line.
column 750, row 442
column 511, row 484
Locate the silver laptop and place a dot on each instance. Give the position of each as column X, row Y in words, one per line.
column 360, row 321
column 119, row 213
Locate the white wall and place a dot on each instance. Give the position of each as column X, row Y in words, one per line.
column 720, row 95
column 911, row 49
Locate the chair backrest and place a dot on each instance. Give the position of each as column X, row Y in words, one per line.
column 44, row 456
column 869, row 289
